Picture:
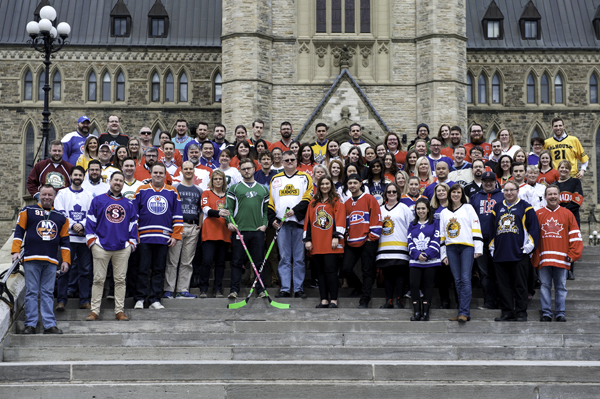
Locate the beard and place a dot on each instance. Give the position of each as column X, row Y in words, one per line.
column 77, row 182
column 477, row 141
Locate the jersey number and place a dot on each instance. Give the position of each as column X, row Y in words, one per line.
column 557, row 156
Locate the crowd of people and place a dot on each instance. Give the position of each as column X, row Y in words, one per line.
column 153, row 221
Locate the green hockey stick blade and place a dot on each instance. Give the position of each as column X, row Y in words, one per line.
column 277, row 305
column 238, row 305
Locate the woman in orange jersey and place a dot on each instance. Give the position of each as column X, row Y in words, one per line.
column 390, row 167
column 548, row 174
column 502, row 170
column 411, row 162
column 215, row 235
column 324, row 228
column 306, row 161
column 242, row 150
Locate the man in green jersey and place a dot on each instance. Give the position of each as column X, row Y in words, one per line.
column 247, row 202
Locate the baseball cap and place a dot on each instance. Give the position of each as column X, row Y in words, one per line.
column 488, row 175
column 104, row 145
column 83, row 119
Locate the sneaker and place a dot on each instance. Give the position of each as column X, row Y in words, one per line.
column 28, row 330
column 232, row 295
column 85, row 306
column 203, row 294
column 139, row 305
column 110, row 296
column 156, row 305
column 168, row 295
column 185, row 295
column 407, row 295
column 363, row 305
column 300, row 294
column 218, row 294
column 60, row 307
column 262, row 294
column 53, row 330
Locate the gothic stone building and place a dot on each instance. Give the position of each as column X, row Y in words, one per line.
column 387, row 64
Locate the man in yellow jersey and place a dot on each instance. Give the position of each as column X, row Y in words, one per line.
column 565, row 147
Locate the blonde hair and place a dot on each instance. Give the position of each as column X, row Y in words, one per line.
column 218, row 172
column 430, row 178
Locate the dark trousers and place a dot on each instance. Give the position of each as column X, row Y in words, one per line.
column 213, row 251
column 443, row 281
column 153, row 257
column 325, row 266
column 394, row 279
column 487, row 276
column 512, row 286
column 133, row 266
column 255, row 242
column 366, row 254
column 81, row 267
column 422, row 278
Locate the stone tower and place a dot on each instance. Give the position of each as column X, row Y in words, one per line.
column 408, row 58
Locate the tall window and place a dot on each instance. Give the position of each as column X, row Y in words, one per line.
column 106, row 87
column 336, row 16
column 531, row 29
column 558, row 90
column 120, row 87
column 169, row 88
column 482, row 98
column 545, row 90
column 469, row 89
column 92, row 87
column 365, row 16
column 218, row 88
column 155, row 87
column 492, row 136
column 56, row 86
column 346, row 16
column 120, row 26
column 157, row 27
column 530, row 89
column 28, row 89
column 183, row 88
column 321, row 16
column 496, row 89
column 95, row 132
column 597, row 162
column 156, row 140
column 41, row 84
column 493, row 29
column 29, row 152
column 349, row 28
column 593, row 89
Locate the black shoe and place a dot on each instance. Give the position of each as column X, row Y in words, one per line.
column 332, row 305
column 425, row 313
column 562, row 319
column 363, row 305
column 521, row 318
column 445, row 305
column 28, row 330
column 355, row 292
column 314, row 284
column 416, row 311
column 505, row 318
column 399, row 303
column 282, row 294
column 537, row 285
column 387, row 305
column 570, row 275
column 546, row 318
column 300, row 294
column 322, row 305
column 53, row 330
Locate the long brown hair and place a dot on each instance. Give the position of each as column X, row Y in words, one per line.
column 332, row 196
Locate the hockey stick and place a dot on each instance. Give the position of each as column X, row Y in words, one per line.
column 238, row 305
column 271, row 302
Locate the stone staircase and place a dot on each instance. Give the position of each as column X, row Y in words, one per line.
column 199, row 348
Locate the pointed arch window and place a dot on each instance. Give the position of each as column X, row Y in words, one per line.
column 155, row 88
column 593, row 89
column 218, row 87
column 41, row 84
column 469, row 89
column 496, row 89
column 492, row 136
column 183, row 88
column 29, row 152
column 482, row 89
column 92, row 86
column 120, row 87
column 169, row 88
column 558, row 89
column 545, row 90
column 530, row 89
column 106, row 87
column 156, row 140
column 321, row 16
column 28, row 87
column 95, row 132
column 56, row 86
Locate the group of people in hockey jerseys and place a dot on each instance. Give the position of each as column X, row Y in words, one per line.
column 416, row 218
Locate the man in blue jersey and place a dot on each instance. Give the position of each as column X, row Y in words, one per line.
column 74, row 142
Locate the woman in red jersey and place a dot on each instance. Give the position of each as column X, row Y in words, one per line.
column 548, row 174
column 306, row 162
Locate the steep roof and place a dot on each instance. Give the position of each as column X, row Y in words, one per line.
column 193, row 23
column 565, row 24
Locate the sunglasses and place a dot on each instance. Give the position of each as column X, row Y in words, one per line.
column 145, row 132
column 289, row 160
column 392, row 192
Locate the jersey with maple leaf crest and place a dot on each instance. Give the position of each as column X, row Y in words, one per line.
column 424, row 238
column 74, row 205
column 559, row 238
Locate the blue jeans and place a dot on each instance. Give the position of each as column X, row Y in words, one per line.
column 558, row 275
column 460, row 259
column 81, row 266
column 39, row 282
column 291, row 250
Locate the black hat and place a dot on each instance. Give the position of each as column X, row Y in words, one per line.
column 488, row 175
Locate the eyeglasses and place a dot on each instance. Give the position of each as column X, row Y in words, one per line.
column 151, row 156
column 245, row 169
column 145, row 132
column 392, row 192
column 289, row 160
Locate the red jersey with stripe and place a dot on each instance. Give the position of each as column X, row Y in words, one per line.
column 559, row 237
column 548, row 178
column 214, row 228
column 160, row 216
column 487, row 150
column 363, row 220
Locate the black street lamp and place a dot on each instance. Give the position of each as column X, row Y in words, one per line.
column 47, row 39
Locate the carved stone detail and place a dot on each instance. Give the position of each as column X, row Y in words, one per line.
column 365, row 52
column 383, row 48
column 321, row 52
column 304, row 48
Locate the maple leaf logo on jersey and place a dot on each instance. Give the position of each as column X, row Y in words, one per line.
column 421, row 242
column 77, row 214
column 552, row 228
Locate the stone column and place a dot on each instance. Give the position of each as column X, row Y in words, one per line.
column 247, row 80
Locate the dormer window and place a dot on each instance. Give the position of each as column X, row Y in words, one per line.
column 596, row 23
column 530, row 23
column 120, row 20
column 493, row 22
column 158, row 21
